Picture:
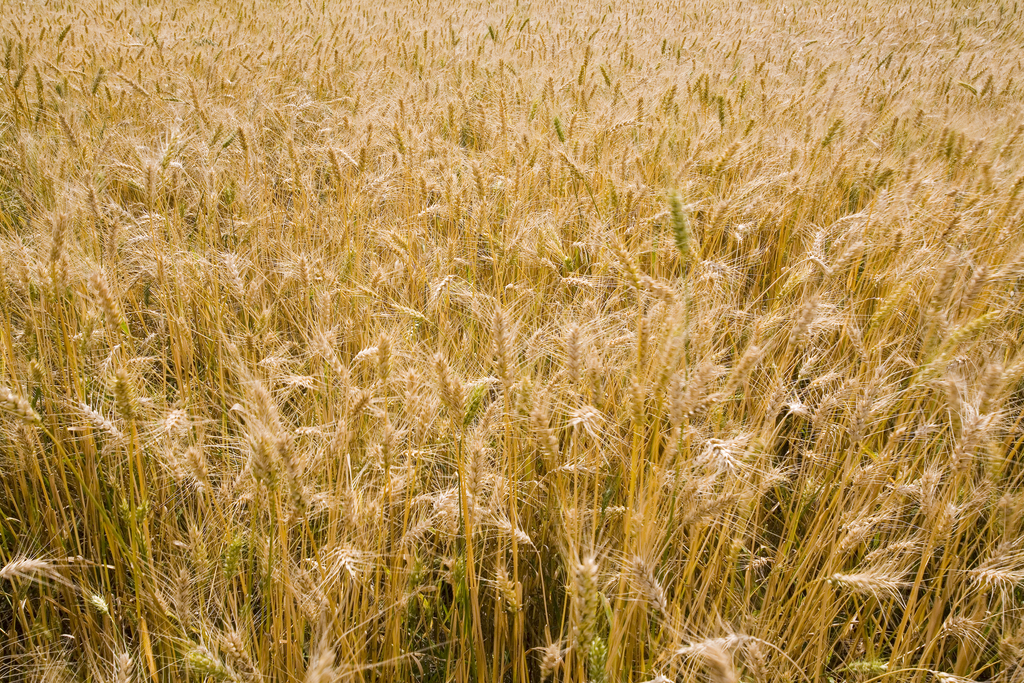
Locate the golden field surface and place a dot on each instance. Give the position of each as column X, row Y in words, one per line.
column 421, row 341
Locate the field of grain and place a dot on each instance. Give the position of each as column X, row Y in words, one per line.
column 584, row 342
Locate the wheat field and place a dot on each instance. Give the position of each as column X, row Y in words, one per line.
column 593, row 342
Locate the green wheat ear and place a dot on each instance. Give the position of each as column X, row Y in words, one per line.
column 680, row 227
column 559, row 131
